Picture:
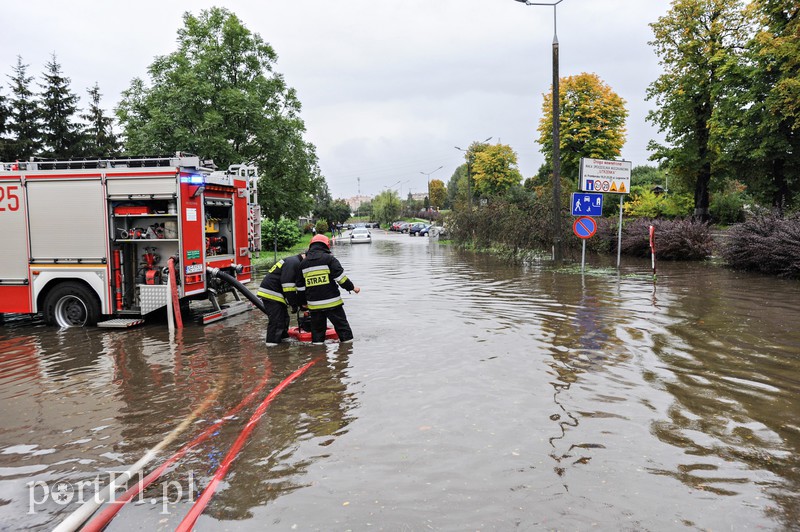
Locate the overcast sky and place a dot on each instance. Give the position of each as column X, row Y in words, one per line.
column 388, row 88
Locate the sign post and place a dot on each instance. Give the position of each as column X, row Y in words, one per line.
column 584, row 228
column 613, row 177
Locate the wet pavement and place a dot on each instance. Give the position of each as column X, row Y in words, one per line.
column 476, row 395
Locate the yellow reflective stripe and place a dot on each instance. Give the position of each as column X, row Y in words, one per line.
column 327, row 303
column 342, row 280
column 269, row 294
column 315, row 269
column 277, row 266
column 292, row 288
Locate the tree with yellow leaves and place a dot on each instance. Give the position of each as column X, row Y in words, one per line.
column 591, row 119
column 494, row 170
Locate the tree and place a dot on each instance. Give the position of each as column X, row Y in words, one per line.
column 591, row 119
column 386, row 206
column 495, row 170
column 438, row 193
column 6, row 143
column 765, row 114
column 649, row 176
column 466, row 187
column 25, row 122
column 99, row 138
column 457, row 186
column 340, row 211
column 218, row 96
column 365, row 209
column 696, row 42
column 61, row 133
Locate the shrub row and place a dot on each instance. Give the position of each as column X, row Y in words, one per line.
column 766, row 243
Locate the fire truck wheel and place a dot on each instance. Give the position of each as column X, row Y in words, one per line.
column 71, row 305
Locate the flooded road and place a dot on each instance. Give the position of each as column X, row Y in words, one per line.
column 476, row 395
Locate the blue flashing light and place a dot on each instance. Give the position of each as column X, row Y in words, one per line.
column 194, row 179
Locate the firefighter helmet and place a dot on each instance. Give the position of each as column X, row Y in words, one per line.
column 323, row 239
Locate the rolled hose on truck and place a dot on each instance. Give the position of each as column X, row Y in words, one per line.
column 231, row 280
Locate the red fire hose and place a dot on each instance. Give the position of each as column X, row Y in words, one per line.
column 201, row 503
column 176, row 305
column 102, row 519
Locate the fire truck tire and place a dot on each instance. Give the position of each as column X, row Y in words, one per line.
column 71, row 304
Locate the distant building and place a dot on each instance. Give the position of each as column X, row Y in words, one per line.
column 356, row 201
column 419, row 196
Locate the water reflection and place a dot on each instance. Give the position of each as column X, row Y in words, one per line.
column 477, row 395
column 735, row 391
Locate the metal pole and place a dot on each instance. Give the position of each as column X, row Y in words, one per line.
column 557, row 255
column 619, row 233
column 557, row 244
column 583, row 255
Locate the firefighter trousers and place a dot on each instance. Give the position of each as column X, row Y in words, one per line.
column 319, row 324
column 278, row 326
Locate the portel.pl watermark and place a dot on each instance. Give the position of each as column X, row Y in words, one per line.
column 62, row 493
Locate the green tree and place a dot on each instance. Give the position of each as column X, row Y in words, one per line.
column 61, row 133
column 386, row 206
column 365, row 209
column 218, row 96
column 495, row 170
column 697, row 43
column 766, row 113
column 340, row 211
column 6, row 143
column 650, row 176
column 457, row 186
column 466, row 190
column 438, row 193
column 281, row 235
column 99, row 138
column 591, row 119
column 25, row 122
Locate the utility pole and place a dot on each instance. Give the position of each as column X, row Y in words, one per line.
column 557, row 252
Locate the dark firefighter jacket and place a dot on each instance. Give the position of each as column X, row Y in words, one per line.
column 279, row 283
column 320, row 277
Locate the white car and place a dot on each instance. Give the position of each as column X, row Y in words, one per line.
column 360, row 235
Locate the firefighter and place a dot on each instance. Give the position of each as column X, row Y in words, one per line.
column 318, row 284
column 278, row 291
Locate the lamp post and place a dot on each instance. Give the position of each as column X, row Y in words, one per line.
column 428, row 175
column 556, row 136
column 469, row 170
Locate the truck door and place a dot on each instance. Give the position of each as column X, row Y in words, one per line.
column 14, row 281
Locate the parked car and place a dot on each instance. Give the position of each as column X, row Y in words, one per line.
column 414, row 229
column 434, row 230
column 360, row 235
column 425, row 231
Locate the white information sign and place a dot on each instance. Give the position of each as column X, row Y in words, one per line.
column 600, row 175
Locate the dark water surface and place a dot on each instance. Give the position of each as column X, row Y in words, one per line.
column 476, row 396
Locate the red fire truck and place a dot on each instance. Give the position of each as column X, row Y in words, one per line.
column 88, row 242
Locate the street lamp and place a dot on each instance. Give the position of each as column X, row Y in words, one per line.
column 469, row 170
column 428, row 175
column 556, row 137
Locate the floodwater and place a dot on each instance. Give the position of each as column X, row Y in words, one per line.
column 476, row 396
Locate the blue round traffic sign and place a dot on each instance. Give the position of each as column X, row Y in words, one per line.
column 584, row 227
